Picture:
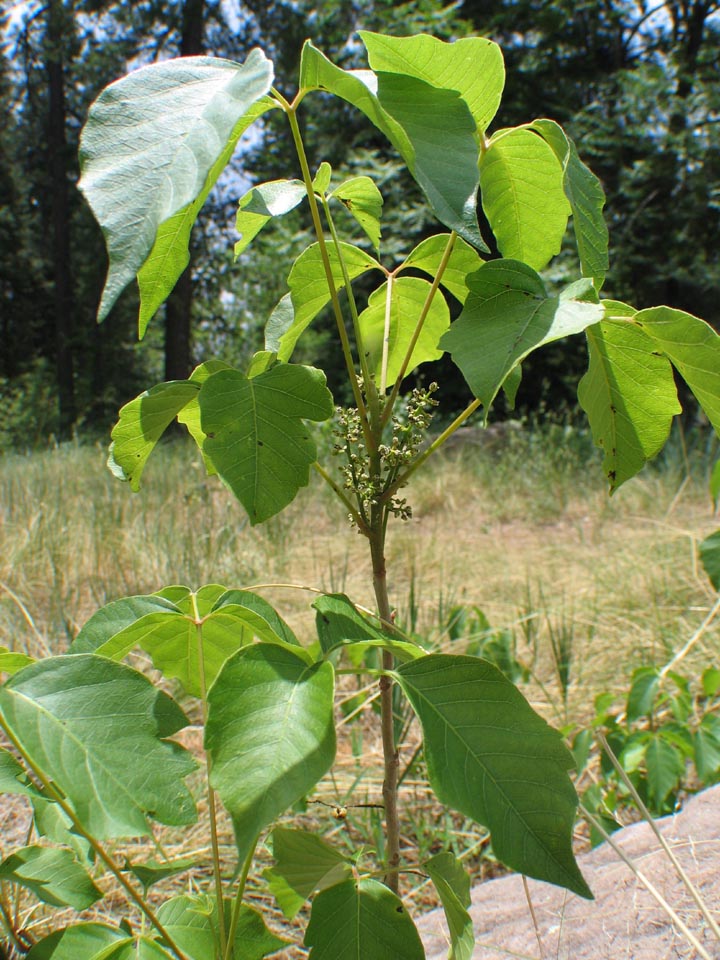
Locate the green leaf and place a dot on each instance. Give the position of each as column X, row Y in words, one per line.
column 182, row 113
column 361, row 920
column 473, row 67
column 693, row 348
column 256, row 614
column 256, row 437
column 82, row 941
column 587, row 199
column 711, row 681
column 192, row 921
column 153, row 871
column 309, row 293
column 363, row 200
column 710, row 558
column 12, row 661
column 189, row 416
column 665, row 767
column 507, row 315
column 643, row 691
column 464, row 260
column 142, row 422
column 115, row 617
column 170, row 254
column 453, row 886
column 521, row 183
column 407, row 297
column 491, row 757
column 629, row 396
column 13, row 778
column 260, row 204
column 270, row 734
column 78, row 719
column 339, row 622
column 432, row 129
column 51, row 821
column 322, row 178
column 169, row 632
column 53, row 875
column 706, row 743
column 304, row 864
column 715, row 484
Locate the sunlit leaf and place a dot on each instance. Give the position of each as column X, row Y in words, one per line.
column 170, row 253
column 256, row 614
column 189, row 416
column 523, row 197
column 257, row 439
column 693, row 348
column 361, row 920
column 11, row 660
column 452, row 883
column 629, row 396
column 116, row 616
column 363, row 200
column 643, row 691
column 142, row 422
column 507, row 315
column 491, row 757
column 472, row 66
column 79, row 718
column 399, row 316
column 82, row 941
column 270, row 734
column 309, row 293
column 52, row 874
column 431, row 128
column 322, row 178
column 192, row 922
column 587, row 199
column 304, row 864
column 263, row 202
column 149, row 144
column 464, row 260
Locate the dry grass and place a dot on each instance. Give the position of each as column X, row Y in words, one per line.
column 529, row 536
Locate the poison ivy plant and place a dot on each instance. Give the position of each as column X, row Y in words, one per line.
column 89, row 740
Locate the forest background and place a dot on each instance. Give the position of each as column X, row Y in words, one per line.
column 636, row 84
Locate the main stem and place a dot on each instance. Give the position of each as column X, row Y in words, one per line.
column 390, row 751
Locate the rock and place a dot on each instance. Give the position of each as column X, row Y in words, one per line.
column 624, row 922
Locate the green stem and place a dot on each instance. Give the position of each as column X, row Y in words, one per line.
column 347, row 503
column 369, row 383
column 447, row 253
column 100, row 851
column 322, row 245
column 215, row 846
column 237, row 904
column 435, row 445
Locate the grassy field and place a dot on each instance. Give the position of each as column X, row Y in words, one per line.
column 526, row 534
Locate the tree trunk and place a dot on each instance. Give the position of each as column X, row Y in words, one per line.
column 60, row 217
column 178, row 309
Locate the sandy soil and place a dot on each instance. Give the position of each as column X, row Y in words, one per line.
column 624, row 922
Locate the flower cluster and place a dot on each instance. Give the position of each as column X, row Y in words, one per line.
column 369, row 479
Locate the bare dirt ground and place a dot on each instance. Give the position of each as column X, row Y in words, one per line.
column 624, row 922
